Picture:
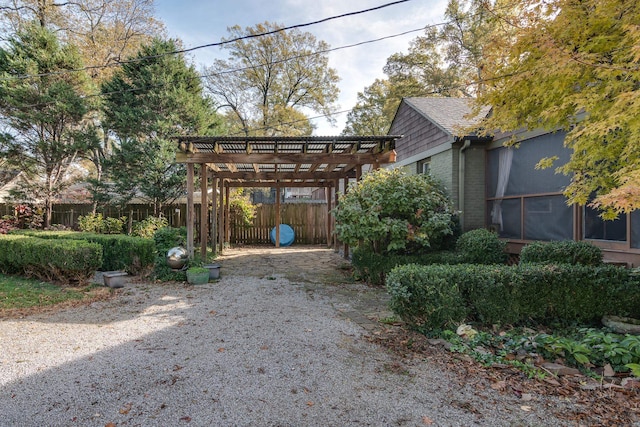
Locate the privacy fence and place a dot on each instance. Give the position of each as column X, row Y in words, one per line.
column 308, row 220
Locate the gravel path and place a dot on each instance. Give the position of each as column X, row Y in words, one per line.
column 244, row 351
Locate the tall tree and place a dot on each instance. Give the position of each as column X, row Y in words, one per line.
column 448, row 60
column 575, row 65
column 44, row 105
column 269, row 81
column 150, row 99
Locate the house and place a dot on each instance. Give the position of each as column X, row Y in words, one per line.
column 499, row 187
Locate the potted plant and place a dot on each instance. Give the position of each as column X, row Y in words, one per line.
column 197, row 275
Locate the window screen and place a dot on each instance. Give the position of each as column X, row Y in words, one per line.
column 547, row 218
column 598, row 229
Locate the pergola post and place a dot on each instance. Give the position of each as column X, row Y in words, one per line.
column 227, row 214
column 221, row 216
column 214, row 215
column 204, row 210
column 336, row 189
column 190, row 209
column 277, row 216
column 327, row 196
column 346, row 247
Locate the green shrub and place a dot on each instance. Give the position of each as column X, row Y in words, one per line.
column 519, row 295
column 119, row 252
column 95, row 223
column 424, row 298
column 148, row 226
column 166, row 238
column 562, row 252
column 373, row 267
column 48, row 259
column 481, row 246
column 390, row 211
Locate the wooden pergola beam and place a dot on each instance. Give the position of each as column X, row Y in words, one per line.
column 284, row 158
column 273, row 176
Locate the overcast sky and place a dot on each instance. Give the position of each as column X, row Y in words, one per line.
column 200, row 22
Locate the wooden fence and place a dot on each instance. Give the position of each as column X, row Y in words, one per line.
column 308, row 220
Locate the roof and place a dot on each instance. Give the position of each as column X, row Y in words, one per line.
column 450, row 114
column 290, row 161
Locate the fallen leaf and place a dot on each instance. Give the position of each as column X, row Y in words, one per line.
column 526, row 408
column 608, row 371
column 526, row 397
column 310, row 403
column 221, row 349
column 264, row 347
column 500, row 385
column 126, row 408
column 186, row 419
column 109, row 425
column 177, row 367
column 427, row 421
column 212, row 312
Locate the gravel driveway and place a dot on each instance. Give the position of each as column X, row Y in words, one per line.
column 285, row 348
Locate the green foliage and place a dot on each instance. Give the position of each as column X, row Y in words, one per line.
column 148, row 227
column 45, row 138
column 152, row 98
column 522, row 294
column 166, row 238
column 424, row 298
column 49, row 259
column 562, row 252
column 574, row 66
column 373, row 267
column 481, row 246
column 241, row 208
column 390, row 211
column 119, row 252
column 95, row 223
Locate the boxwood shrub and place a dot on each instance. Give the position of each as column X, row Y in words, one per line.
column 48, row 259
column 518, row 295
column 424, row 297
column 481, row 246
column 562, row 252
column 134, row 255
column 373, row 267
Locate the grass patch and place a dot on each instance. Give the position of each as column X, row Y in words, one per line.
column 24, row 296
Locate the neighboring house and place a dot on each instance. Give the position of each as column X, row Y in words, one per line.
column 501, row 187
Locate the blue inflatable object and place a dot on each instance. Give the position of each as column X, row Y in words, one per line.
column 287, row 235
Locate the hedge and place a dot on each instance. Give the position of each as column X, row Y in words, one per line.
column 119, row 252
column 53, row 260
column 562, row 252
column 517, row 295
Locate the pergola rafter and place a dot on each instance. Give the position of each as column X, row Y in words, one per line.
column 277, row 162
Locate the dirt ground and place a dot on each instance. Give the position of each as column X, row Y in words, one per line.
column 319, row 269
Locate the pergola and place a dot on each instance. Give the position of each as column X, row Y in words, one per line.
column 274, row 162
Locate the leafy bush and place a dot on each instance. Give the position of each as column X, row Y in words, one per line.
column 54, row 260
column 148, row 226
column 241, row 209
column 95, row 223
column 423, row 297
column 166, row 238
column 530, row 293
column 481, row 246
column 390, row 211
column 120, row 252
column 373, row 267
column 562, row 252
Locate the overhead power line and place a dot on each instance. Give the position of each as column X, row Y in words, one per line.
column 217, row 44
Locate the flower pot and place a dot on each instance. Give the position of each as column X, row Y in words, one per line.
column 214, row 270
column 197, row 276
column 114, row 279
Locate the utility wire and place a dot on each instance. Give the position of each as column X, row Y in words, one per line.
column 222, row 43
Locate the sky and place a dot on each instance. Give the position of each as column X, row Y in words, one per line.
column 201, row 22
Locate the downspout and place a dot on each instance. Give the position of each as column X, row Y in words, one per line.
column 461, row 165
